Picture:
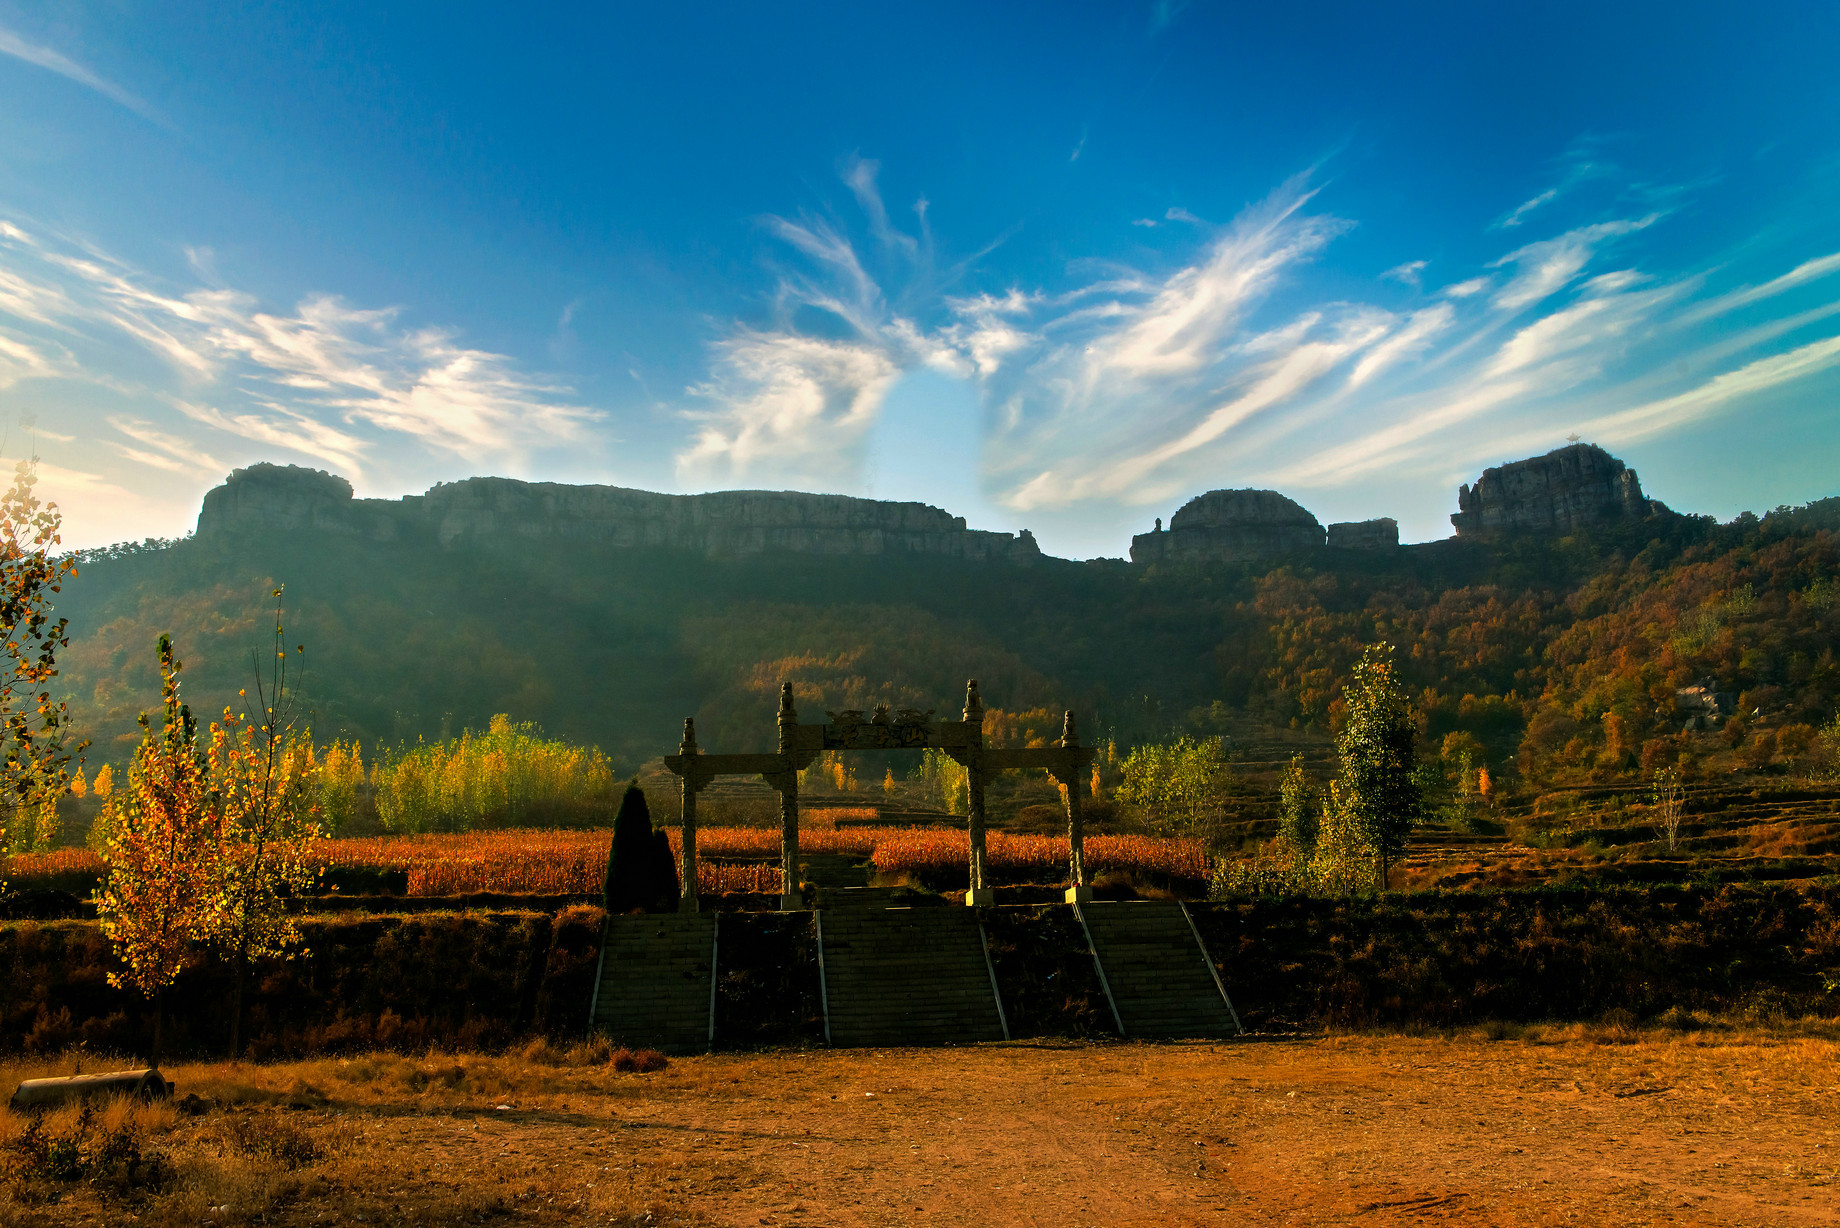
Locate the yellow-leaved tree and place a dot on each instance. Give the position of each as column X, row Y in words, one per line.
column 207, row 841
column 161, row 852
column 35, row 750
column 265, row 790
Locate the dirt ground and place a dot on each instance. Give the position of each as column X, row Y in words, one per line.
column 1569, row 1126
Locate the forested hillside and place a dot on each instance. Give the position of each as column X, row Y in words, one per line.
column 1562, row 656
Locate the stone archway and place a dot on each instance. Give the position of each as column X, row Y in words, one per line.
column 907, row 729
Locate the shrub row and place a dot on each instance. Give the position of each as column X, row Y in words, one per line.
column 487, row 979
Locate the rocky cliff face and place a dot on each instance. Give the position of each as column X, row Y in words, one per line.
column 455, row 515
column 1567, row 489
column 1381, row 534
column 1226, row 526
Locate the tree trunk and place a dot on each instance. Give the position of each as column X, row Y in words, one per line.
column 236, row 1004
column 159, row 1011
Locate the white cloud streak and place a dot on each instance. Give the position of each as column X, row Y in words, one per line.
column 1137, row 387
column 1717, row 393
column 44, row 57
column 1546, row 267
column 328, row 381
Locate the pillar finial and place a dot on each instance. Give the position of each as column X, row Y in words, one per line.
column 1068, row 736
column 785, row 697
column 974, row 706
column 688, row 745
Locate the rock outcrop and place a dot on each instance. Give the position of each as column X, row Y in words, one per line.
column 1226, row 526
column 480, row 511
column 1569, row 488
column 1380, row 534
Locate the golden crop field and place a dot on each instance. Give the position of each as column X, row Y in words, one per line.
column 538, row 862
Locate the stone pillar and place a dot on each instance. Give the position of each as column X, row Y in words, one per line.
column 789, row 896
column 687, row 785
column 1079, row 892
column 978, row 893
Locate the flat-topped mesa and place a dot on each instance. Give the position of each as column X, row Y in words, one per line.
column 1380, row 534
column 1227, row 526
column 1569, row 488
column 479, row 511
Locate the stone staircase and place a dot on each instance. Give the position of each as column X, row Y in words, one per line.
column 832, row 870
column 907, row 976
column 862, row 897
column 656, row 975
column 1158, row 975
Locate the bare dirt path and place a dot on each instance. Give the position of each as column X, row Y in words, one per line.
column 1668, row 1130
column 1374, row 1131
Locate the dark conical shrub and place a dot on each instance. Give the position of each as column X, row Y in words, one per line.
column 664, row 876
column 629, row 859
column 641, row 872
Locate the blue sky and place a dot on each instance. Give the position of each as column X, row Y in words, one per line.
column 1050, row 266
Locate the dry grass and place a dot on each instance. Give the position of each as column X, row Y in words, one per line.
column 1592, row 1123
column 293, row 1142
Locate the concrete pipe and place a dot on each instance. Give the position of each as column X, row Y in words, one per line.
column 49, row 1093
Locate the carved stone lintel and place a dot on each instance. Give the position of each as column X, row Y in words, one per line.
column 799, row 746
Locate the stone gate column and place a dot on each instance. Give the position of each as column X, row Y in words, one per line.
column 789, row 897
column 1079, row 892
column 978, row 893
column 687, row 785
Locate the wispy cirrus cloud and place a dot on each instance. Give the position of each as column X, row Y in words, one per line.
column 792, row 404
column 1163, row 14
column 327, row 381
column 148, row 445
column 44, row 57
column 1543, row 269
column 1581, row 162
column 1138, row 386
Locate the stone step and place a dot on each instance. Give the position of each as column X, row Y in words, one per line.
column 833, row 870
column 858, row 897
column 655, row 981
column 907, row 977
column 1158, row 973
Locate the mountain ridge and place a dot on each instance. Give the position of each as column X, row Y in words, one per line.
column 1528, row 640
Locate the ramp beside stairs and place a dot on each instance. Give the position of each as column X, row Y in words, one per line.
column 655, row 980
column 1160, row 978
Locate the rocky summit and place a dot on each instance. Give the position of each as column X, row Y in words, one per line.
column 1229, row 526
column 1569, row 488
column 481, row 511
column 1562, row 492
column 1378, row 534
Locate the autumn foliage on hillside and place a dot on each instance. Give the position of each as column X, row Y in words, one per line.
column 1569, row 671
column 1559, row 656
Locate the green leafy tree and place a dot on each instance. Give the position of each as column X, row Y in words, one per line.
column 35, row 747
column 265, row 800
column 1377, row 797
column 1826, row 747
column 1342, row 862
column 942, row 780
column 1183, row 783
column 1298, row 812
